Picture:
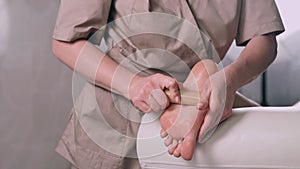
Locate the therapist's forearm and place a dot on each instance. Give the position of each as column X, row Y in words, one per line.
column 87, row 60
column 259, row 53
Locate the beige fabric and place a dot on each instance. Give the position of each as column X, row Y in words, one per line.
column 78, row 19
column 221, row 21
column 83, row 152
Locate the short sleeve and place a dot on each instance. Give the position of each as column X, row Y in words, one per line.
column 258, row 17
column 78, row 19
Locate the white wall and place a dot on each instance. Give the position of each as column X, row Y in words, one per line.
column 283, row 75
column 290, row 12
column 35, row 94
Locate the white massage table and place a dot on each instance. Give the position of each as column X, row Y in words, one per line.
column 257, row 137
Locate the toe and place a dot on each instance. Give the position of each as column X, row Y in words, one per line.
column 188, row 146
column 177, row 152
column 168, row 141
column 163, row 133
column 172, row 148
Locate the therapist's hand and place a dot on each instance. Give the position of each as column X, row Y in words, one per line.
column 219, row 97
column 147, row 93
column 182, row 125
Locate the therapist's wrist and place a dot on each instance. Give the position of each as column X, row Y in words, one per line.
column 121, row 81
column 232, row 80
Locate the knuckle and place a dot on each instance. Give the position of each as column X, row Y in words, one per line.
column 137, row 99
column 172, row 82
column 147, row 110
column 134, row 101
column 143, row 94
column 148, row 85
column 158, row 75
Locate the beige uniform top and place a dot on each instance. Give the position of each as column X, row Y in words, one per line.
column 108, row 139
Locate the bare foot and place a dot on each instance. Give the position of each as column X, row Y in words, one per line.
column 181, row 123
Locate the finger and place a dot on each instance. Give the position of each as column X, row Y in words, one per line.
column 173, row 88
column 211, row 120
column 142, row 106
column 163, row 133
column 207, row 124
column 204, row 137
column 225, row 116
column 159, row 99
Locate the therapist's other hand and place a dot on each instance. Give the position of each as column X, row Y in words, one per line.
column 147, row 93
column 189, row 123
column 219, row 97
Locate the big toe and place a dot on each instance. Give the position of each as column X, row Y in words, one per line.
column 188, row 146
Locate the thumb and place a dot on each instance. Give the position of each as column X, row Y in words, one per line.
column 158, row 100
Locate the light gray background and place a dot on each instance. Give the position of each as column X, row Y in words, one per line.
column 35, row 88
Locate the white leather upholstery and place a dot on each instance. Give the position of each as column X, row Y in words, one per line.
column 258, row 137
